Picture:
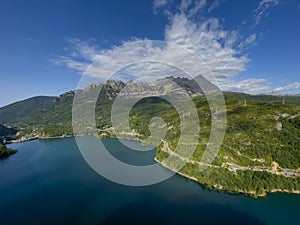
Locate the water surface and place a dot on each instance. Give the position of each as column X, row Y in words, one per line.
column 48, row 182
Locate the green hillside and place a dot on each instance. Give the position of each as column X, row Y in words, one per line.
column 260, row 152
column 21, row 109
column 273, row 99
column 5, row 152
column 6, row 133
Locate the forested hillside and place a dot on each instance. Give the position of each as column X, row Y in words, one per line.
column 260, row 152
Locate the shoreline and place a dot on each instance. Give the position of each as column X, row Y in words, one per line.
column 215, row 187
column 252, row 194
column 36, row 138
column 60, row 137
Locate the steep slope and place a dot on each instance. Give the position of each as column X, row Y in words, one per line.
column 260, row 152
column 21, row 109
column 6, row 133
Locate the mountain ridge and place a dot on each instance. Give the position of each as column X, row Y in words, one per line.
column 260, row 152
column 23, row 108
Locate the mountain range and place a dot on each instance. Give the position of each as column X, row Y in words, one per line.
column 260, row 152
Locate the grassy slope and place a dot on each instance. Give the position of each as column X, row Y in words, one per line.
column 19, row 110
column 258, row 135
column 288, row 99
column 6, row 133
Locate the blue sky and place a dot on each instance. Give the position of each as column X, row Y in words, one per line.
column 45, row 46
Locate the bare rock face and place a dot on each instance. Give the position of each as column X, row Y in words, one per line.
column 161, row 86
column 110, row 88
column 279, row 126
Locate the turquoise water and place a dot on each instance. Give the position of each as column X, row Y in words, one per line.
column 48, row 182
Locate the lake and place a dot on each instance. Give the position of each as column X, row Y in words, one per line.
column 48, row 182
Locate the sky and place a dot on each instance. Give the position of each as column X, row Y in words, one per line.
column 47, row 46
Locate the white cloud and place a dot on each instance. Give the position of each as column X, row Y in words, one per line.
column 198, row 6
column 83, row 48
column 157, row 4
column 215, row 4
column 219, row 48
column 263, row 9
column 185, row 5
column 251, row 86
column 248, row 41
column 188, row 7
column 209, row 41
column 290, row 87
column 206, row 39
column 77, row 65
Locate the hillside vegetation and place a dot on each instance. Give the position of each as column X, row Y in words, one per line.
column 5, row 152
column 21, row 109
column 260, row 152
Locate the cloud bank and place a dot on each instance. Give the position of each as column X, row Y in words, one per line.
column 290, row 87
column 251, row 86
column 222, row 51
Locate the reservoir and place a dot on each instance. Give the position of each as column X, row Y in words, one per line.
column 49, row 182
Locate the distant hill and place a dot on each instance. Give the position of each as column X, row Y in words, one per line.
column 43, row 110
column 261, row 148
column 59, row 110
column 273, row 99
column 22, row 109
